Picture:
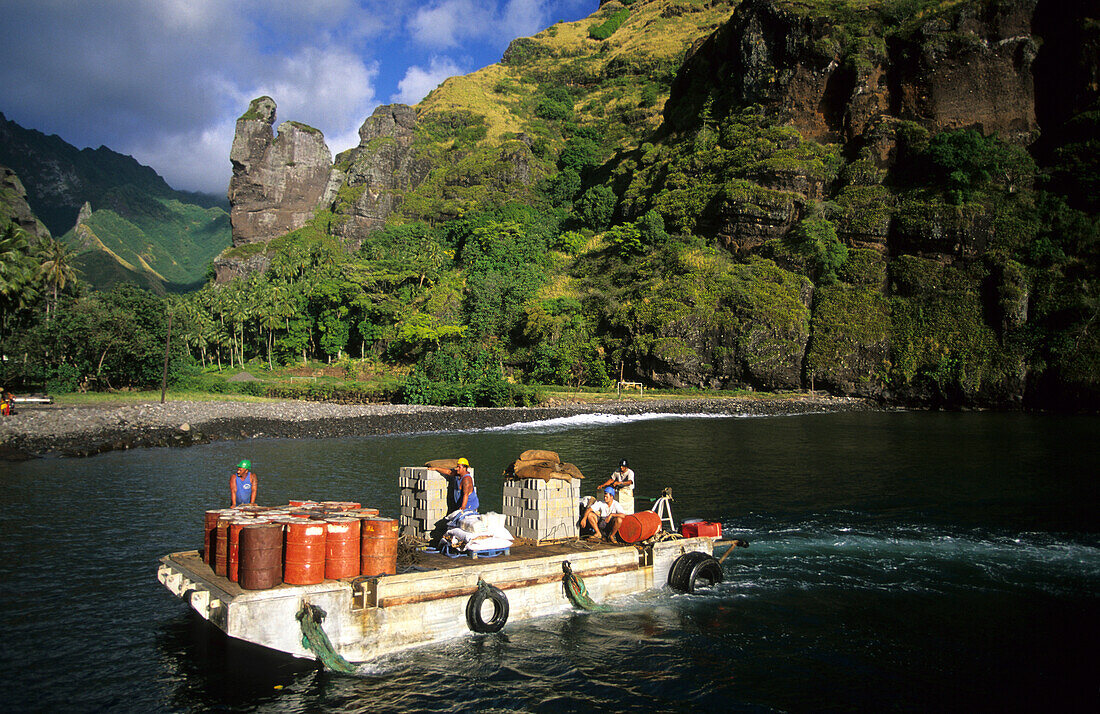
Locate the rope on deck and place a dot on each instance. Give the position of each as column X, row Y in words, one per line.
column 577, row 592
column 316, row 641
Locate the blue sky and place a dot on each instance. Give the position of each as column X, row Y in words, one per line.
column 165, row 80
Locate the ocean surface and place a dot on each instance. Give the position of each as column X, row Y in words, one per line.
column 908, row 562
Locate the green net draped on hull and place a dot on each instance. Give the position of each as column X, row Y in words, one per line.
column 576, row 591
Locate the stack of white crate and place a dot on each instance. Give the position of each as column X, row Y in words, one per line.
column 540, row 510
column 423, row 501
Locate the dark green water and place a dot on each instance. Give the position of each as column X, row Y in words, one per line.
column 899, row 562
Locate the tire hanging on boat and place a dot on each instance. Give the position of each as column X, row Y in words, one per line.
column 693, row 570
column 474, row 617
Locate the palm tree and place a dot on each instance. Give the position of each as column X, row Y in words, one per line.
column 56, row 269
column 15, row 263
column 17, row 268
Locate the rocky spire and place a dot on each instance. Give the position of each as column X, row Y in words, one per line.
column 279, row 180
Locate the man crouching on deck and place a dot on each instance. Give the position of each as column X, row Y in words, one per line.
column 604, row 516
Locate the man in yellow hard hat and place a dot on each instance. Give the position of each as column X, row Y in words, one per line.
column 463, row 491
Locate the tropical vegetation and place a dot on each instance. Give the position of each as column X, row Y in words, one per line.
column 965, row 268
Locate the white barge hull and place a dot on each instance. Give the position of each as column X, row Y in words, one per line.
column 370, row 617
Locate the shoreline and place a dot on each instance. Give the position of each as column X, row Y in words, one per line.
column 75, row 431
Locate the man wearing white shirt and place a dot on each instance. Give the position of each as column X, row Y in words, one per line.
column 622, row 481
column 604, row 516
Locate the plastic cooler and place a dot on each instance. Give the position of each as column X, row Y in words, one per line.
column 695, row 529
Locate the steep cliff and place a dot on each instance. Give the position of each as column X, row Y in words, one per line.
column 881, row 146
column 373, row 176
column 278, row 180
column 14, row 207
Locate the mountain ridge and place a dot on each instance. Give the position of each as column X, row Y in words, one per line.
column 151, row 234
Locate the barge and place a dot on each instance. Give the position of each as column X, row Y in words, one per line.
column 356, row 614
column 368, row 617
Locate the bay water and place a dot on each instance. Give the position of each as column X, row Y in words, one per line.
column 897, row 562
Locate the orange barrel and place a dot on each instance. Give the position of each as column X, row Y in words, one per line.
column 341, row 548
column 233, row 549
column 221, row 546
column 378, row 546
column 305, row 552
column 639, row 526
column 210, row 532
column 366, row 512
column 261, row 556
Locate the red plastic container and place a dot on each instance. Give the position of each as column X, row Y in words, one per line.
column 697, row 529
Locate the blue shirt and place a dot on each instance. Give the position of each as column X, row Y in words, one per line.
column 456, row 493
column 243, row 487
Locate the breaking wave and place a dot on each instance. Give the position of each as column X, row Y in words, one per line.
column 600, row 419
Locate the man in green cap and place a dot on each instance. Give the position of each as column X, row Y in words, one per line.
column 242, row 485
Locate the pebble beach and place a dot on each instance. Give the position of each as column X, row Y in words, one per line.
column 72, row 431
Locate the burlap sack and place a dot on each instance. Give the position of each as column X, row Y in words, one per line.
column 539, row 455
column 534, row 472
column 520, row 463
column 571, row 470
column 445, row 464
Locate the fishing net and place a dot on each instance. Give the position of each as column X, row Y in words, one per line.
column 576, row 591
column 316, row 641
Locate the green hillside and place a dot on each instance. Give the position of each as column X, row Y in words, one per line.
column 568, row 97
column 166, row 242
column 140, row 229
column 778, row 194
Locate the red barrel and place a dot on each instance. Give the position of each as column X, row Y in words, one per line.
column 221, row 546
column 639, row 526
column 210, row 531
column 378, row 554
column 305, row 553
column 341, row 548
column 261, row 556
column 233, row 543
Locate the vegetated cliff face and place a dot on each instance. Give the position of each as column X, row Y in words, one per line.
column 933, row 305
column 834, row 77
column 374, row 175
column 14, row 207
column 793, row 138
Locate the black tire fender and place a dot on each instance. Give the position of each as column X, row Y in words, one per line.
column 500, row 609
column 705, row 573
column 692, row 569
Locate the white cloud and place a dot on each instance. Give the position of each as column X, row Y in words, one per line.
column 419, row 81
column 445, row 24
column 326, row 88
column 190, row 161
column 521, row 18
column 448, row 23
